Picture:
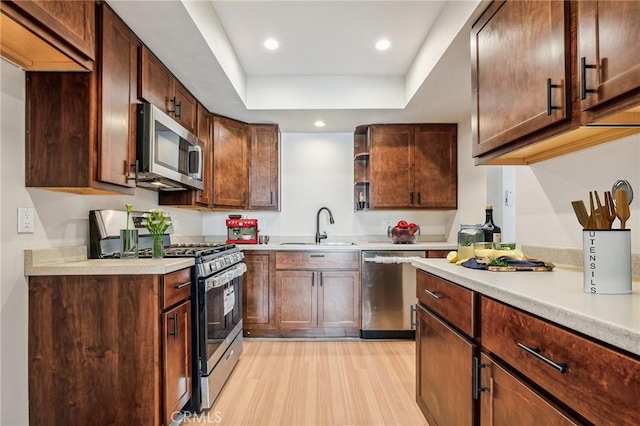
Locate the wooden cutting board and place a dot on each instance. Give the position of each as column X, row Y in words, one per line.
column 520, row 268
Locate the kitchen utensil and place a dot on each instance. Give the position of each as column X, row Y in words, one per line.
column 264, row 239
column 581, row 212
column 593, row 222
column 622, row 207
column 622, row 184
column 600, row 215
column 609, row 208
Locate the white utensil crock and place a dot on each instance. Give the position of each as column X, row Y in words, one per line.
column 607, row 261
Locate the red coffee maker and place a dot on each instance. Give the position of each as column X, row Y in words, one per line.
column 242, row 231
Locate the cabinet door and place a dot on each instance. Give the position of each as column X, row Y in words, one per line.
column 339, row 299
column 156, row 82
column 444, row 372
column 516, row 47
column 205, row 135
column 256, row 289
column 119, row 89
column 230, row 163
column 263, row 178
column 392, row 166
column 608, row 34
column 506, row 401
column 184, row 107
column 176, row 328
column 296, row 299
column 72, row 21
column 436, row 166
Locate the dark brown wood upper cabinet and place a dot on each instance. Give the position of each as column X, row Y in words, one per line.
column 264, row 181
column 55, row 35
column 413, row 166
column 81, row 126
column 553, row 77
column 608, row 34
column 519, row 71
column 230, row 163
column 160, row 88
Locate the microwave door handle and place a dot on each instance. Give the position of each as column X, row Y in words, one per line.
column 196, row 150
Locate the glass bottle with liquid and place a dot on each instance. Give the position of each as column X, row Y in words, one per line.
column 492, row 232
column 468, row 235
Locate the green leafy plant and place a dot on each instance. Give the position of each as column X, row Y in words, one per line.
column 128, row 207
column 156, row 221
column 493, row 261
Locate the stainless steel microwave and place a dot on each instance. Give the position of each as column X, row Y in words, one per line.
column 169, row 156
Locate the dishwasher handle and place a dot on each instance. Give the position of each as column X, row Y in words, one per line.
column 391, row 259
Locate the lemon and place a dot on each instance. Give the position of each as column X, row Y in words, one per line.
column 452, row 256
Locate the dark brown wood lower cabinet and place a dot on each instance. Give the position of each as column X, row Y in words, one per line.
column 317, row 303
column 177, row 359
column 444, row 372
column 108, row 349
column 505, row 398
column 258, row 297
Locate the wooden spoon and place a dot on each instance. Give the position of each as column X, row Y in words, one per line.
column 622, row 207
column 581, row 212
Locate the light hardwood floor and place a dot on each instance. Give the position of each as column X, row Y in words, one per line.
column 319, row 383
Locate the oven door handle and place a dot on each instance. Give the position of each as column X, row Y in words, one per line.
column 225, row 277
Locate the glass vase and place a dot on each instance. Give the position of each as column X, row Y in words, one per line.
column 157, row 249
column 128, row 243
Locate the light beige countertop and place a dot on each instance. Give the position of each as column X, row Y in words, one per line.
column 73, row 261
column 357, row 246
column 557, row 296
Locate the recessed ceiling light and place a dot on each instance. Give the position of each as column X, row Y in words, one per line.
column 320, row 123
column 383, row 44
column 271, row 44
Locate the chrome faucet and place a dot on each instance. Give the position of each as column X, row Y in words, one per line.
column 322, row 236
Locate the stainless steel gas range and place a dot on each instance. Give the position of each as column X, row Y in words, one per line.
column 216, row 298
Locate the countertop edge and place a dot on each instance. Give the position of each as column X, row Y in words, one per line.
column 73, row 261
column 623, row 336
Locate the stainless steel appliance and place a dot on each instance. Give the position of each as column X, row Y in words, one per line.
column 169, row 156
column 388, row 294
column 216, row 299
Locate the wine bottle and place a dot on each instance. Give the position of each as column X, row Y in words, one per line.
column 491, row 230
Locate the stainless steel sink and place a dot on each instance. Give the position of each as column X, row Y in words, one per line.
column 297, row 244
column 319, row 245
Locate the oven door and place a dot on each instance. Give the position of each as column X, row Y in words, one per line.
column 220, row 324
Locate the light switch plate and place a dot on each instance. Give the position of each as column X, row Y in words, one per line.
column 26, row 220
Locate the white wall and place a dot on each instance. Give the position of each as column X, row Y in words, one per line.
column 61, row 219
column 545, row 191
column 317, row 171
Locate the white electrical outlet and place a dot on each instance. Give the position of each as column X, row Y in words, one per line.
column 26, row 220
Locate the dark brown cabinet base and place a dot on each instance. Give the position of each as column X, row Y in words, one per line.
column 108, row 349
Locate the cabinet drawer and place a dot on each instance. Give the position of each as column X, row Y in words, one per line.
column 317, row 260
column 600, row 384
column 177, row 287
column 452, row 302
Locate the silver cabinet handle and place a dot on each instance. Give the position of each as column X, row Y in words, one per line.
column 560, row 366
column 178, row 287
column 434, row 295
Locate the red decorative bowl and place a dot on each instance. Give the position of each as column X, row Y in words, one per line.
column 403, row 236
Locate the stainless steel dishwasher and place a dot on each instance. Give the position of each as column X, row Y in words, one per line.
column 388, row 294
